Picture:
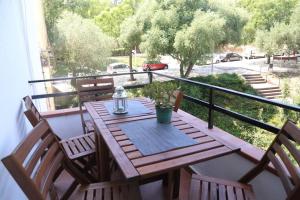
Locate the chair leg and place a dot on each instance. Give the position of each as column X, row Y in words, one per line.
column 70, row 190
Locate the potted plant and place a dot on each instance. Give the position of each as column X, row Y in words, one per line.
column 163, row 95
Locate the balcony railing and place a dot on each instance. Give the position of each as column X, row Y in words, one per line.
column 209, row 104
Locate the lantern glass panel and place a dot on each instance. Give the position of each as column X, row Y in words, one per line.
column 120, row 101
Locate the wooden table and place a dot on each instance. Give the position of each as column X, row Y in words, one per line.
column 131, row 161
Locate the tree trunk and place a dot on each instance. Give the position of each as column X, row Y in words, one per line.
column 268, row 59
column 189, row 69
column 181, row 70
column 73, row 81
column 130, row 66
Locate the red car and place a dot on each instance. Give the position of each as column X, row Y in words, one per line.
column 154, row 65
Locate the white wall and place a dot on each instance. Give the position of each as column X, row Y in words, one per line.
column 19, row 62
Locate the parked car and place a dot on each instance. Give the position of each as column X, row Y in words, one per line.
column 154, row 65
column 229, row 57
column 118, row 68
column 253, row 55
column 217, row 58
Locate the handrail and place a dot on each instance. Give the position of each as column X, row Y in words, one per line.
column 83, row 77
column 210, row 104
column 229, row 91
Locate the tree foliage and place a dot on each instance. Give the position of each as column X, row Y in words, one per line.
column 189, row 30
column 87, row 8
column 52, row 11
column 111, row 18
column 282, row 37
column 80, row 45
column 265, row 14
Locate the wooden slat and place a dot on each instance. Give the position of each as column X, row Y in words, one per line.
column 190, row 130
column 78, row 145
column 184, row 126
column 107, row 193
column 90, row 195
column 239, row 194
column 26, row 145
column 98, row 194
column 90, row 140
column 204, row 139
column 121, row 137
column 197, row 135
column 204, row 191
column 116, row 193
column 124, row 163
column 48, row 181
column 91, row 110
column 222, row 192
column 281, row 172
column 213, row 191
column 174, row 153
column 222, row 181
column 292, row 149
column 288, row 163
column 72, row 147
column 292, row 130
column 230, row 192
column 249, row 195
column 183, row 161
column 195, row 189
column 67, row 149
column 84, row 144
column 116, row 133
column 125, row 143
column 129, row 148
column 135, row 154
column 40, row 150
column 47, row 160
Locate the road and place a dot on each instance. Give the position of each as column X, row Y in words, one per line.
column 245, row 66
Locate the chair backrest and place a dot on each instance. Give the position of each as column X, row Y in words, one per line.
column 285, row 157
column 176, row 100
column 32, row 112
column 93, row 90
column 35, row 162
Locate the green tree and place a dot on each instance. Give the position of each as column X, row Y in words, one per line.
column 79, row 45
column 110, row 19
column 189, row 30
column 130, row 37
column 280, row 39
column 265, row 14
column 52, row 11
column 87, row 8
column 236, row 18
column 295, row 26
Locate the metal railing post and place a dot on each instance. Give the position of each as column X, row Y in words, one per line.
column 150, row 77
column 210, row 109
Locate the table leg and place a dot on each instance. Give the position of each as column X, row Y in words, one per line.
column 173, row 184
column 103, row 163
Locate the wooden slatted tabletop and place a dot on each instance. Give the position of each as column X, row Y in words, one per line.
column 133, row 163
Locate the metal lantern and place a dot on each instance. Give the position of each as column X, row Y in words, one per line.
column 120, row 100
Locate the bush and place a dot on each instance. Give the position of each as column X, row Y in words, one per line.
column 119, row 52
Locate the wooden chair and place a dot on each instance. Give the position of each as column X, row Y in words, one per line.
column 35, row 164
column 93, row 90
column 177, row 98
column 75, row 147
column 194, row 187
